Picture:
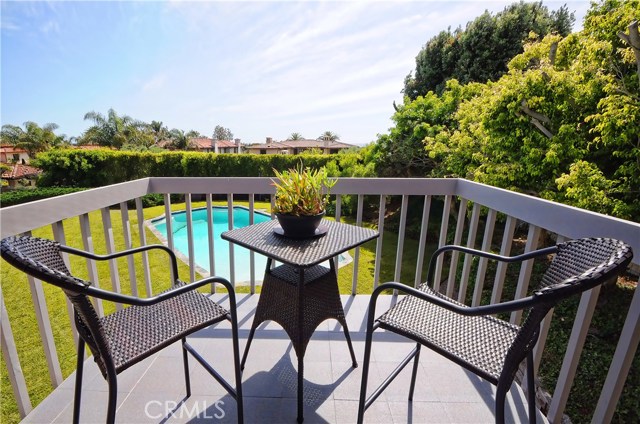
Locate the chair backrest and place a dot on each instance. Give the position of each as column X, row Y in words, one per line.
column 578, row 265
column 42, row 259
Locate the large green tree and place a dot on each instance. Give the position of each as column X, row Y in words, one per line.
column 482, row 50
column 32, row 138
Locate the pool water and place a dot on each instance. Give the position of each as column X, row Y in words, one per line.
column 220, row 247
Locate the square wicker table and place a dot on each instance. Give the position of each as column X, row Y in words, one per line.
column 300, row 293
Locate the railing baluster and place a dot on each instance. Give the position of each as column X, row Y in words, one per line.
column 44, row 326
column 422, row 243
column 356, row 258
column 210, row 237
column 10, row 356
column 58, row 235
column 622, row 360
column 483, row 262
column 468, row 259
column 190, row 249
column 143, row 242
column 168, row 218
column 252, row 260
column 126, row 232
column 444, row 227
column 505, row 250
column 400, row 248
column 579, row 331
column 338, row 207
column 533, row 238
column 381, row 212
column 111, row 248
column 457, row 239
column 232, row 260
column 87, row 243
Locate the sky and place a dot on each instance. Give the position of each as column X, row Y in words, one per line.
column 261, row 69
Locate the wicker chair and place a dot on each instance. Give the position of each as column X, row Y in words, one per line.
column 128, row 336
column 476, row 340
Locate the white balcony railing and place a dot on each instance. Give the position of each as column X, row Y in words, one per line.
column 489, row 203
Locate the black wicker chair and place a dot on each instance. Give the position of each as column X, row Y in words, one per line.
column 126, row 337
column 471, row 336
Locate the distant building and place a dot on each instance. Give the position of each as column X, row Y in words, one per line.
column 21, row 175
column 13, row 154
column 294, row 147
column 209, row 145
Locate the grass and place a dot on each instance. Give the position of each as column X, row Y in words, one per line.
column 21, row 313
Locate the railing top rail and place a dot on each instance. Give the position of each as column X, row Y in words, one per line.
column 565, row 220
column 562, row 219
column 27, row 216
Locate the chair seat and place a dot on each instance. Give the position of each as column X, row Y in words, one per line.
column 139, row 331
column 479, row 343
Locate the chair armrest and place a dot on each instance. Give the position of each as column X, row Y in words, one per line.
column 481, row 253
column 172, row 256
column 509, row 306
column 148, row 301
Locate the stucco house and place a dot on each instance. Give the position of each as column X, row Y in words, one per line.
column 209, row 145
column 294, row 147
column 13, row 154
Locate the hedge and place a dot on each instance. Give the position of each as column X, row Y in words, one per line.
column 15, row 197
column 96, row 168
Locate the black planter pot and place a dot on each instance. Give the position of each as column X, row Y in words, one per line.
column 299, row 226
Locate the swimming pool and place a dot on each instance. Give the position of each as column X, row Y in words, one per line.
column 220, row 247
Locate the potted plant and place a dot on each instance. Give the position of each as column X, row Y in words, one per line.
column 302, row 195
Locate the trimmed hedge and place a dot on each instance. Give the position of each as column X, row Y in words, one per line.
column 96, row 168
column 15, row 197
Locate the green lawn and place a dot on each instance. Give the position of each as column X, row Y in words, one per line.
column 17, row 296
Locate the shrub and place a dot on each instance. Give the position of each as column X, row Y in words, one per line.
column 10, row 198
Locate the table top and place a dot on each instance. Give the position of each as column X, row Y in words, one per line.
column 301, row 253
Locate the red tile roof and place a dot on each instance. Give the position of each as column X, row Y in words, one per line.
column 18, row 171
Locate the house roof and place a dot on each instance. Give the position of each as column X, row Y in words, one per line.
column 6, row 148
column 207, row 143
column 304, row 144
column 18, row 171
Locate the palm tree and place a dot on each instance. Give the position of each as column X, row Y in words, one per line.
column 296, row 136
column 159, row 131
column 180, row 140
column 33, row 138
column 329, row 136
column 112, row 130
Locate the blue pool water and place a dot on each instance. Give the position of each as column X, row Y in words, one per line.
column 220, row 247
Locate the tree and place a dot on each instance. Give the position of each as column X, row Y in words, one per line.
column 481, row 51
column 296, row 136
column 33, row 138
column 180, row 140
column 114, row 131
column 329, row 136
column 221, row 133
column 159, row 131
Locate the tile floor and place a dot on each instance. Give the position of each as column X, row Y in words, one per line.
column 153, row 391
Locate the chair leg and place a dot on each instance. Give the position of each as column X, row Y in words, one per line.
column 416, row 360
column 501, row 394
column 531, row 390
column 237, row 366
column 78, row 387
column 365, row 374
column 113, row 395
column 185, row 360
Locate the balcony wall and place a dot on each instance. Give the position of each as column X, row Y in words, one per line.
column 472, row 214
